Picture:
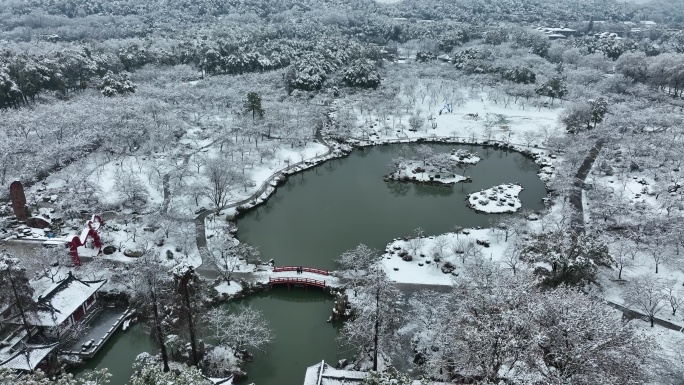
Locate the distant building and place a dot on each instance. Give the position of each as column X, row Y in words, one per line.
column 607, row 35
column 554, row 33
column 648, row 24
column 555, row 36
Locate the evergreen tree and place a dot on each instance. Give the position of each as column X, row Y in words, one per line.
column 253, row 105
column 16, row 289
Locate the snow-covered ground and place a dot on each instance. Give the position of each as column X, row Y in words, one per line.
column 228, row 289
column 498, row 199
column 436, row 260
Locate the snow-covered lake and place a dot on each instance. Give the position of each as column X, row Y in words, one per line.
column 325, row 211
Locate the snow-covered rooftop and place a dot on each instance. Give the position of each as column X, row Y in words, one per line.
column 324, row 374
column 63, row 298
column 28, row 358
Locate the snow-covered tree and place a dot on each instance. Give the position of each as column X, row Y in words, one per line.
column 189, row 296
column 16, row 290
column 496, row 327
column 623, row 255
column 221, row 361
column 362, row 73
column 355, row 263
column 222, row 254
column 220, row 180
column 151, row 292
column 580, row 340
column 130, row 188
column 242, row 329
column 416, row 123
column 554, row 89
column 372, row 328
column 567, row 258
column 387, row 378
column 116, row 84
column 647, row 293
column 253, row 105
column 150, row 372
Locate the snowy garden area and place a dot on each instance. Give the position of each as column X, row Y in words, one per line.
column 140, row 149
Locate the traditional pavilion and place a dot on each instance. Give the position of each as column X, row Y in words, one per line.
column 64, row 304
column 30, row 357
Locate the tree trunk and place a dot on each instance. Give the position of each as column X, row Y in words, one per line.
column 20, row 307
column 191, row 326
column 160, row 334
column 377, row 330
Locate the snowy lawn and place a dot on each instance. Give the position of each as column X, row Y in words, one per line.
column 436, row 260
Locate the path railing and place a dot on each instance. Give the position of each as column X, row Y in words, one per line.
column 304, row 269
column 296, row 281
column 93, row 349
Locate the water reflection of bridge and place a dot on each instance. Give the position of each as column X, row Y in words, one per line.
column 296, row 281
column 284, row 297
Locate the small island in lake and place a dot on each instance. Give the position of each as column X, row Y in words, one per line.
column 498, row 199
column 426, row 166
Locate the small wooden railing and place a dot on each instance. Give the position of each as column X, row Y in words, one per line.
column 296, row 281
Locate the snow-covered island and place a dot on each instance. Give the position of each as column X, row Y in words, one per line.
column 426, row 166
column 464, row 156
column 498, row 199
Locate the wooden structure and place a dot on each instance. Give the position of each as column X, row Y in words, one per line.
column 306, row 282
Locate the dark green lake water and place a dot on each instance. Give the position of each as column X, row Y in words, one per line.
column 319, row 214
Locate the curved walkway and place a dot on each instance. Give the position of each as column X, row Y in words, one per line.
column 201, row 239
column 578, row 185
column 633, row 314
column 578, row 224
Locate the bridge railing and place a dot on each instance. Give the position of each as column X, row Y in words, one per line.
column 304, row 268
column 297, row 280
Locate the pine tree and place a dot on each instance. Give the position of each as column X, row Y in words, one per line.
column 253, row 105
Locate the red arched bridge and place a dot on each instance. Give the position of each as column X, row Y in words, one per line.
column 298, row 281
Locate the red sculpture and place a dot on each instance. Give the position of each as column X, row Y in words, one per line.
column 89, row 231
column 18, row 200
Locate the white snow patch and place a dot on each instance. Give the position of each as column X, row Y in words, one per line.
column 498, row 199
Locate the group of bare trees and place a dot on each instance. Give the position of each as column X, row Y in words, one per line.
column 492, row 326
column 174, row 304
column 371, row 330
